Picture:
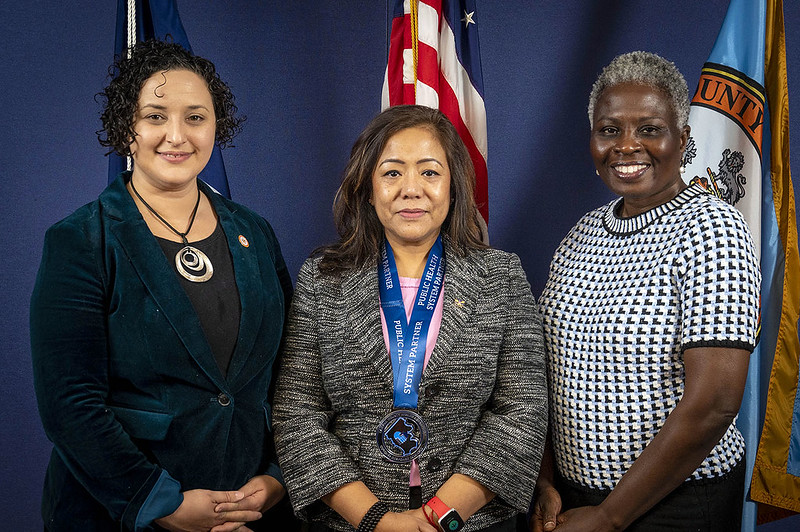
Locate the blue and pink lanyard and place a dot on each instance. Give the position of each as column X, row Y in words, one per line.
column 408, row 337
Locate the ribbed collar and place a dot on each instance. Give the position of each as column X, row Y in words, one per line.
column 628, row 226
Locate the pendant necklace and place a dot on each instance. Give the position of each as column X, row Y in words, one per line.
column 190, row 262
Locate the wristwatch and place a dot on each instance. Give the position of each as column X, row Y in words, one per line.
column 449, row 520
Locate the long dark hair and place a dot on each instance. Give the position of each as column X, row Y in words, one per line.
column 360, row 231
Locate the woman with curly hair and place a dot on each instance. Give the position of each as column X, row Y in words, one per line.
column 155, row 322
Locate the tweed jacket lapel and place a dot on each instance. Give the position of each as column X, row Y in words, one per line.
column 361, row 303
column 147, row 258
column 464, row 279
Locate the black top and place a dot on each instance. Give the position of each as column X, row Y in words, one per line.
column 215, row 301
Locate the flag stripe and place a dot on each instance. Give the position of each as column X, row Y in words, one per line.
column 471, row 106
column 448, row 74
column 393, row 82
column 469, row 52
column 776, row 478
column 428, row 25
column 448, row 103
column 752, row 85
column 427, row 95
column 427, row 66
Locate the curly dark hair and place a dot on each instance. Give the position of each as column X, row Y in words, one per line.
column 121, row 96
column 360, row 231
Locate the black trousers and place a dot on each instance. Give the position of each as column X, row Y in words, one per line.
column 708, row 505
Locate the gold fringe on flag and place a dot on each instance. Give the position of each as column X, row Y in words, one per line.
column 415, row 38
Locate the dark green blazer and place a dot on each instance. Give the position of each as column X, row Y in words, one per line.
column 128, row 389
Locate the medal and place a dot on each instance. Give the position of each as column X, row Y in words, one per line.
column 402, row 435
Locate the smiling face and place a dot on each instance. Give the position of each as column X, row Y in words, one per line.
column 175, row 127
column 411, row 188
column 637, row 146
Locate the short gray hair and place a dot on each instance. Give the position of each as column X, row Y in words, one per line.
column 644, row 68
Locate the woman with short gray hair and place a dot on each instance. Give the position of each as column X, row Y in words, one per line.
column 650, row 314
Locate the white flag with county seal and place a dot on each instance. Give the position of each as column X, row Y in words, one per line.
column 724, row 150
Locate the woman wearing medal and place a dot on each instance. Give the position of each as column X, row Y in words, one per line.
column 411, row 394
column 155, row 321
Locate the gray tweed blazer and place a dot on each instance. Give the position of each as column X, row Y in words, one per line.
column 483, row 393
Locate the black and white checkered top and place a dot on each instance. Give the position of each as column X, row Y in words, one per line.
column 624, row 299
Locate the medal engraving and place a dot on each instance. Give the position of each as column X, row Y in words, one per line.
column 402, row 436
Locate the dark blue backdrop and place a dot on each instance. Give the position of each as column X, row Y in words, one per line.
column 308, row 75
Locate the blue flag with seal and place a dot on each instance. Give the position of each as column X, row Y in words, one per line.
column 739, row 150
column 139, row 20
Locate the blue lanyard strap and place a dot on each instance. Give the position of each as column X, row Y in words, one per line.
column 408, row 338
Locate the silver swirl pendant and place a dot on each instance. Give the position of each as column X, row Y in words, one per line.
column 193, row 265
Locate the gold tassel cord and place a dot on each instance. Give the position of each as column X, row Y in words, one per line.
column 415, row 39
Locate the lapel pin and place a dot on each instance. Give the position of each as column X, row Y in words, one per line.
column 243, row 241
column 459, row 302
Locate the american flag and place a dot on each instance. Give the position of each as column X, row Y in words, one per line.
column 434, row 60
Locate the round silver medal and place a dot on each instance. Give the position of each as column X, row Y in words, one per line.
column 402, row 435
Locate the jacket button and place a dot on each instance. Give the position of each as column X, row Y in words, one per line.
column 223, row 399
column 431, row 390
column 434, row 464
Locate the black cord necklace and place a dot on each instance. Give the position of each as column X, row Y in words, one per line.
column 189, row 259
